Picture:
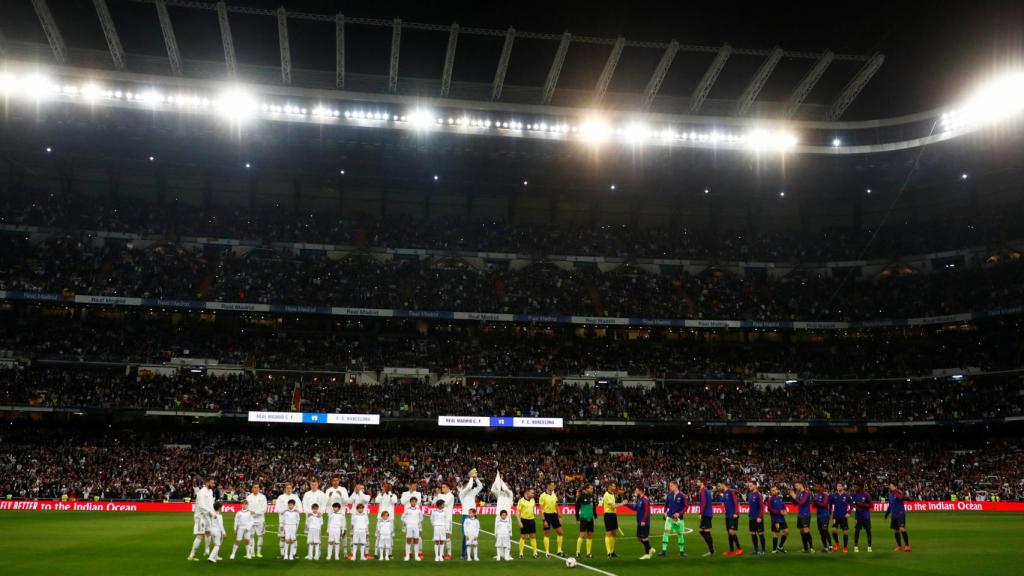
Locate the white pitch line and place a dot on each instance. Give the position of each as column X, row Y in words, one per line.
column 578, row 563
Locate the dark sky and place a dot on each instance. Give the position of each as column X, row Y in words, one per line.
column 934, row 50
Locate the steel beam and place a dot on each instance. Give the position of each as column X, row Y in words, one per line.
column 700, row 93
column 339, row 50
column 282, row 40
column 807, row 83
column 506, row 54
column 556, row 68
column 110, row 32
column 853, row 88
column 449, row 60
column 396, row 45
column 225, row 39
column 605, row 79
column 654, row 84
column 53, row 36
column 173, row 55
column 760, row 78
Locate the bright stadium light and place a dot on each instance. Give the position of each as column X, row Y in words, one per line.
column 595, row 130
column 777, row 140
column 995, row 100
column 8, row 83
column 636, row 133
column 837, row 142
column 236, row 105
column 91, row 92
column 421, row 118
column 38, row 86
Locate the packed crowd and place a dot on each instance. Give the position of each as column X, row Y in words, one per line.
column 897, row 239
column 306, row 344
column 147, row 465
column 938, row 399
column 71, row 265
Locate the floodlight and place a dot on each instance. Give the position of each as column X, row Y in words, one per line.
column 595, row 130
column 236, row 105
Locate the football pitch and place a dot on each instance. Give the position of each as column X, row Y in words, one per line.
column 151, row 544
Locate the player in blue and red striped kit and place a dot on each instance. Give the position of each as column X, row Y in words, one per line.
column 642, row 506
column 840, row 503
column 756, row 516
column 898, row 511
column 802, row 499
column 777, row 510
column 731, row 501
column 862, row 515
column 706, row 500
column 820, row 503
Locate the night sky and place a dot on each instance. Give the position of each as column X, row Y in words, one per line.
column 934, row 50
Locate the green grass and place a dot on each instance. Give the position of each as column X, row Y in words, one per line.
column 151, row 544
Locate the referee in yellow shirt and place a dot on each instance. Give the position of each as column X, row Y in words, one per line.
column 610, row 503
column 549, row 506
column 526, row 509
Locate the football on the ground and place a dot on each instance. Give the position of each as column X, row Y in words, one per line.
column 570, row 562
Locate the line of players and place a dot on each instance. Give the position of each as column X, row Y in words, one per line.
column 330, row 507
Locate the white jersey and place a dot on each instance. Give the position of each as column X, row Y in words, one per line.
column 439, row 521
column 290, row 518
column 503, row 532
column 360, row 522
column 471, row 527
column 468, row 493
column 335, row 521
column 281, row 504
column 505, row 498
column 257, row 506
column 314, row 524
column 357, row 498
column 217, row 526
column 449, row 505
column 243, row 523
column 406, row 496
column 204, row 502
column 311, row 497
column 385, row 502
column 339, row 495
column 385, row 531
column 412, row 519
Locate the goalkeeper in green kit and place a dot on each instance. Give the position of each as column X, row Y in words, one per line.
column 676, row 503
column 586, row 511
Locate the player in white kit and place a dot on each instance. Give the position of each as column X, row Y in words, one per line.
column 258, row 508
column 468, row 493
column 503, row 536
column 503, row 493
column 385, row 502
column 313, row 496
column 202, row 515
column 360, row 532
column 385, row 536
column 314, row 529
column 335, row 522
column 439, row 522
column 471, row 535
column 243, row 530
column 412, row 519
column 281, row 506
column 289, row 519
column 216, row 533
column 338, row 494
column 449, row 510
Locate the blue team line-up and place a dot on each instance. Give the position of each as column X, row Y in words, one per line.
column 328, row 310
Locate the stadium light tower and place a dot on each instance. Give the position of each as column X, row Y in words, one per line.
column 994, row 101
